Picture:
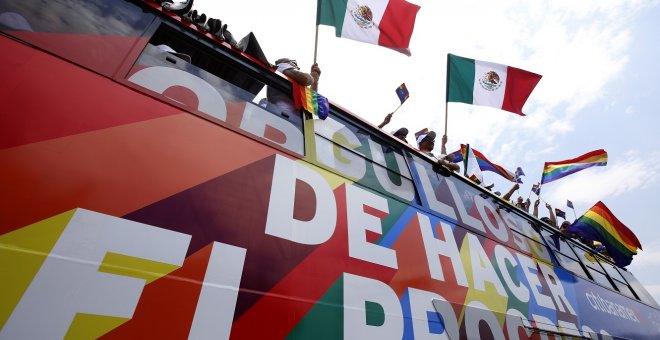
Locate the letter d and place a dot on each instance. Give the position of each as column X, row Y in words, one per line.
column 280, row 221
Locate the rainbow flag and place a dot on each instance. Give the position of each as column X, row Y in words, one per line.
column 424, row 131
column 456, row 156
column 599, row 224
column 310, row 101
column 402, row 92
column 519, row 173
column 536, row 188
column 553, row 171
column 486, row 165
column 560, row 213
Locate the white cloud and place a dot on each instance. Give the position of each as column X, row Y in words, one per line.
column 649, row 258
column 630, row 111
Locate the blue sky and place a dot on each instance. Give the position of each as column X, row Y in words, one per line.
column 599, row 61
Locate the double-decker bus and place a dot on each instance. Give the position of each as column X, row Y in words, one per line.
column 151, row 189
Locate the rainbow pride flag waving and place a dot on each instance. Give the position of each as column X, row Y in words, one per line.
column 553, row 171
column 487, row 165
column 310, row 101
column 599, row 224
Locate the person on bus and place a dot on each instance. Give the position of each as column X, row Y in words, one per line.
column 401, row 133
column 426, row 144
column 523, row 204
column 509, row 193
column 289, row 68
column 551, row 220
column 386, row 120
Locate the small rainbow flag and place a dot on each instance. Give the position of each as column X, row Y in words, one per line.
column 424, row 131
column 553, row 171
column 402, row 92
column 599, row 224
column 456, row 156
column 560, row 213
column 536, row 188
column 519, row 173
column 310, row 101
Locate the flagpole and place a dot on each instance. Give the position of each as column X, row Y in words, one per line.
column 316, row 42
column 447, row 94
column 446, row 117
column 574, row 215
column 397, row 108
column 465, row 157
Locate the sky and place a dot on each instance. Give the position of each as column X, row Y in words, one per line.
column 600, row 90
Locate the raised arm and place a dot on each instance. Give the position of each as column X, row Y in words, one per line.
column 536, row 207
column 513, row 189
column 551, row 213
column 315, row 72
column 443, row 147
column 299, row 77
column 386, row 120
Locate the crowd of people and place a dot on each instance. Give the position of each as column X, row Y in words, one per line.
column 426, row 144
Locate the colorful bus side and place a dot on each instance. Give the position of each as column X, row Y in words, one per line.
column 147, row 197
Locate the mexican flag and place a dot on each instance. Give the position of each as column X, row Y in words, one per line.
column 380, row 22
column 484, row 83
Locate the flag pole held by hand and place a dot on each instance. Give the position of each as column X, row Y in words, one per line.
column 316, row 42
column 397, row 108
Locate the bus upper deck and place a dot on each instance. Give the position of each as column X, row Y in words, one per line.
column 142, row 186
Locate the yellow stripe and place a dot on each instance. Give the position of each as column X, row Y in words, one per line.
column 125, row 265
column 308, row 103
column 609, row 228
column 593, row 159
column 91, row 326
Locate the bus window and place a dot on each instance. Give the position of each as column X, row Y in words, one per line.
column 197, row 77
column 617, row 278
column 522, row 229
column 624, row 289
column 97, row 34
column 638, row 289
column 360, row 156
column 593, row 265
column 570, row 264
column 536, row 246
column 563, row 252
column 611, row 270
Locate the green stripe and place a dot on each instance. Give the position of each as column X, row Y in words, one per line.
column 608, row 239
column 460, row 79
column 315, row 102
column 331, row 13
